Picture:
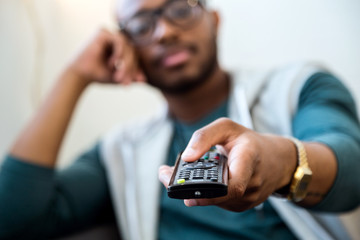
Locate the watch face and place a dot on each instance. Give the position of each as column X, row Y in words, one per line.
column 300, row 186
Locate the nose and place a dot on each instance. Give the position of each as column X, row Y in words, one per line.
column 165, row 31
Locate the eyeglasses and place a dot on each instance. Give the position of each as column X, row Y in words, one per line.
column 181, row 13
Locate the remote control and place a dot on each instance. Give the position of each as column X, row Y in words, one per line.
column 207, row 177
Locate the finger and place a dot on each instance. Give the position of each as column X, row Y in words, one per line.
column 122, row 74
column 128, row 71
column 118, row 64
column 241, row 169
column 121, row 59
column 203, row 202
column 101, row 51
column 133, row 71
column 241, row 165
column 118, row 75
column 140, row 77
column 165, row 173
column 221, row 131
column 117, row 43
column 129, row 75
column 234, row 206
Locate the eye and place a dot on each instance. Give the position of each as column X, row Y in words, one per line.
column 140, row 26
column 179, row 10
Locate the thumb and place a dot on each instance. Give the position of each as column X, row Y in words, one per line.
column 221, row 131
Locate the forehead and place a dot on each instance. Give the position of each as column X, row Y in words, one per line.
column 128, row 8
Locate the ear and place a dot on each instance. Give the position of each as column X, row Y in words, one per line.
column 216, row 20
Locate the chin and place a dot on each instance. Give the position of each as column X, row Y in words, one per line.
column 178, row 85
column 182, row 78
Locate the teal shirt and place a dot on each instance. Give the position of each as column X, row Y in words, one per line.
column 213, row 223
column 39, row 203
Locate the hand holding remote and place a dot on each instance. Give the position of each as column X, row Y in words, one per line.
column 258, row 164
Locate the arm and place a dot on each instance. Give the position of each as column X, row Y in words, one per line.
column 259, row 164
column 94, row 64
column 32, row 193
column 39, row 202
column 327, row 115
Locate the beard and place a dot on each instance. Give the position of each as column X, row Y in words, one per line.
column 185, row 84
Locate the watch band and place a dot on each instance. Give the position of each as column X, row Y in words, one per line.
column 296, row 190
column 302, row 176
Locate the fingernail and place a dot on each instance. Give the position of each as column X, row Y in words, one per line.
column 189, row 152
column 191, row 203
column 118, row 64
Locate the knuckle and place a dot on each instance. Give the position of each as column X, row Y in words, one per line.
column 253, row 154
column 256, row 183
column 199, row 135
column 250, row 146
column 239, row 190
column 224, row 120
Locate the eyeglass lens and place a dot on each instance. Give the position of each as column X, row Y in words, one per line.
column 178, row 12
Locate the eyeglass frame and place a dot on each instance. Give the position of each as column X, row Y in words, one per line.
column 157, row 14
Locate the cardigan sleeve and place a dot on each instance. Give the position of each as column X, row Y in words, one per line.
column 327, row 114
column 38, row 202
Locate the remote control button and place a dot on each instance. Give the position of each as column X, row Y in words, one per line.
column 197, row 193
column 184, row 177
column 199, row 165
column 206, row 155
column 180, row 181
column 183, row 174
column 198, row 177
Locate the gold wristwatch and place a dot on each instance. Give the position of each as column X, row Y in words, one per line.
column 297, row 189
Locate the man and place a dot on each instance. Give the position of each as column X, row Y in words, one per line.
column 172, row 45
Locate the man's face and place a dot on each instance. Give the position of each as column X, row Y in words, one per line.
column 177, row 59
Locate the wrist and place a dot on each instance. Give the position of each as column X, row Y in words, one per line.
column 291, row 162
column 72, row 76
column 296, row 189
column 288, row 160
column 284, row 155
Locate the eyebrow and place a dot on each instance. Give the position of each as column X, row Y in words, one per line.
column 143, row 11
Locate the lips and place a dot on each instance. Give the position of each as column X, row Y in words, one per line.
column 175, row 58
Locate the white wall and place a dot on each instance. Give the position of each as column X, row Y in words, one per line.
column 38, row 37
column 270, row 33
